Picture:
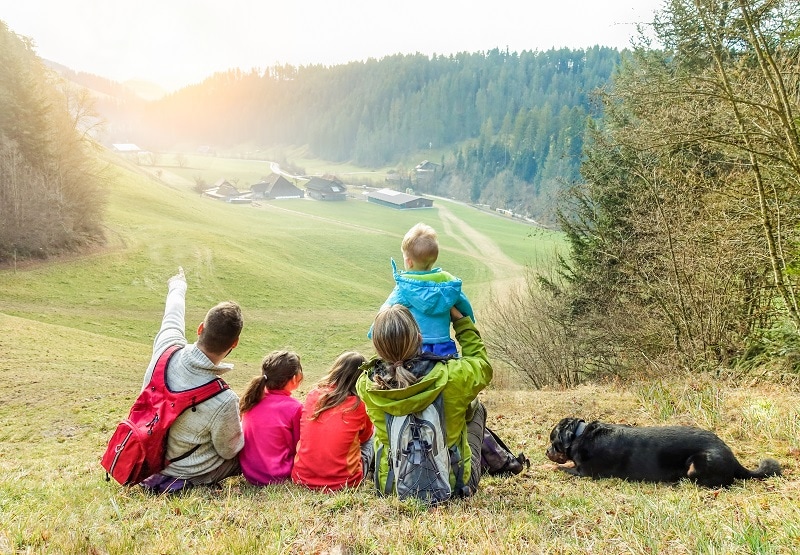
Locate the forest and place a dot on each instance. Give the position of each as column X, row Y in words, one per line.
column 684, row 227
column 51, row 194
column 507, row 128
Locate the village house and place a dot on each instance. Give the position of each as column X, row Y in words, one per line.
column 425, row 172
column 274, row 187
column 326, row 188
column 225, row 191
column 130, row 151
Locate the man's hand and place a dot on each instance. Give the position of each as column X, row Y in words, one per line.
column 178, row 276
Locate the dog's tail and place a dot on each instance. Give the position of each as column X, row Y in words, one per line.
column 767, row 468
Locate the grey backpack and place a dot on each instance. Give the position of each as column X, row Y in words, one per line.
column 419, row 460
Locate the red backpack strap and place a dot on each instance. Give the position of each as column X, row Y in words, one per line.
column 205, row 391
column 197, row 394
column 160, row 371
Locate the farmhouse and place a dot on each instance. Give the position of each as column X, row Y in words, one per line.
column 225, row 191
column 395, row 199
column 326, row 188
column 427, row 167
column 275, row 186
column 425, row 172
column 130, row 151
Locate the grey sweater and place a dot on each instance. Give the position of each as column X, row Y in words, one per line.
column 215, row 425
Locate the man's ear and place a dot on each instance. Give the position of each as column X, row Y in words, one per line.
column 235, row 343
column 200, row 328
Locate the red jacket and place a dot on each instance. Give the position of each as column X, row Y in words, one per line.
column 329, row 451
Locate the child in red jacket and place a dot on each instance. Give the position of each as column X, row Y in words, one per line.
column 335, row 448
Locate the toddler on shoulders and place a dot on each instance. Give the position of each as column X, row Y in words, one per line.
column 427, row 291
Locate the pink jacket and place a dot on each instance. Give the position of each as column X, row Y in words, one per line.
column 271, row 430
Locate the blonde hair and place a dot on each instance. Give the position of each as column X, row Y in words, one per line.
column 277, row 368
column 396, row 338
column 421, row 244
column 341, row 379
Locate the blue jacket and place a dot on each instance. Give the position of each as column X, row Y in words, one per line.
column 429, row 295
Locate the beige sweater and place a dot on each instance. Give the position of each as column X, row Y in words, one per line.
column 215, row 425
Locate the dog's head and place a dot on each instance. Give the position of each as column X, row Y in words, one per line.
column 561, row 439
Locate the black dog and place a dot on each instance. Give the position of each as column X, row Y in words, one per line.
column 655, row 454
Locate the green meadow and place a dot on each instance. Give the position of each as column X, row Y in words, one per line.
column 76, row 333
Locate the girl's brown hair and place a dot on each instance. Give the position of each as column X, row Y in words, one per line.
column 396, row 338
column 341, row 381
column 277, row 369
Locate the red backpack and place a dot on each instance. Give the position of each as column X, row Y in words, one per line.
column 137, row 449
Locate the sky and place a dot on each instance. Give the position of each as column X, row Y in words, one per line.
column 175, row 43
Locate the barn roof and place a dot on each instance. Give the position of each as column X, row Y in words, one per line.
column 126, row 147
column 321, row 184
column 426, row 165
column 392, row 196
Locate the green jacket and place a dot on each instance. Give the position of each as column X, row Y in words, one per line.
column 459, row 381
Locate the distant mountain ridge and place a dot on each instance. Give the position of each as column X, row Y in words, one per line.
column 128, row 90
column 505, row 128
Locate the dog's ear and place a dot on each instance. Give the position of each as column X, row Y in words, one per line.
column 557, row 433
column 569, row 431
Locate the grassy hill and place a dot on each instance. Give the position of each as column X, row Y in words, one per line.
column 309, row 275
column 75, row 335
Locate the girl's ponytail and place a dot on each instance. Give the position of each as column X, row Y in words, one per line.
column 394, row 376
column 253, row 394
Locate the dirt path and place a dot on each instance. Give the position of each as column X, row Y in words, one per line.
column 478, row 245
column 506, row 273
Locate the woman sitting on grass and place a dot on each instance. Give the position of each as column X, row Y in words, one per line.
column 271, row 420
column 335, row 448
column 403, row 380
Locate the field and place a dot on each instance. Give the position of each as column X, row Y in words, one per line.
column 75, row 335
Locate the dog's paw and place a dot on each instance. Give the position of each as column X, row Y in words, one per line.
column 569, row 465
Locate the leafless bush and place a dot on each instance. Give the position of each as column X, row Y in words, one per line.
column 528, row 330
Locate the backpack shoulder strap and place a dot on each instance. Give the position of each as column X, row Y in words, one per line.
column 205, row 392
column 197, row 394
column 159, row 377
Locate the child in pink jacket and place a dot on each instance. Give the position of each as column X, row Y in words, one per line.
column 271, row 420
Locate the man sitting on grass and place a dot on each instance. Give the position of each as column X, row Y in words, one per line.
column 212, row 430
